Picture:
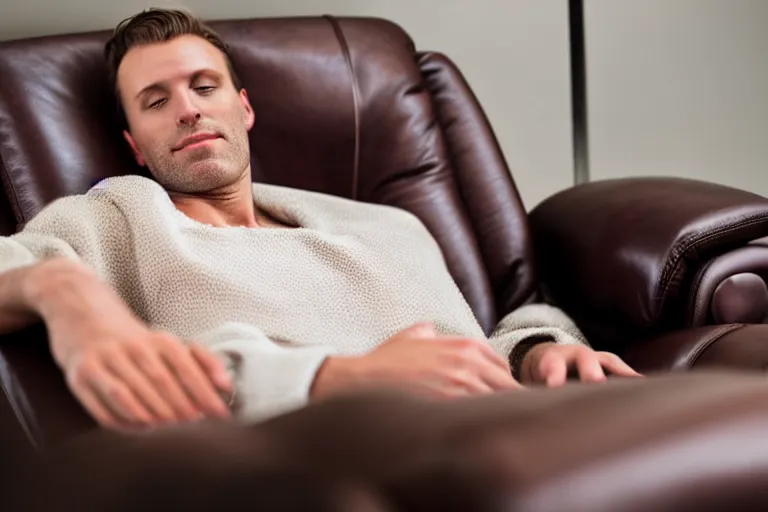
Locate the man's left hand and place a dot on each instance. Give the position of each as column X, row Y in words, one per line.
column 550, row 363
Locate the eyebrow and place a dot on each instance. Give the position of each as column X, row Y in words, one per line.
column 160, row 86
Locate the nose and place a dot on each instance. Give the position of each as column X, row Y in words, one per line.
column 189, row 114
column 189, row 119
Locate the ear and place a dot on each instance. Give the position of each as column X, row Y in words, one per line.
column 250, row 117
column 134, row 148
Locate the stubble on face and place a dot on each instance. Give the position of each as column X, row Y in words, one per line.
column 157, row 133
column 201, row 169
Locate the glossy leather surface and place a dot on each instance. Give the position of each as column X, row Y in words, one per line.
column 673, row 443
column 731, row 288
column 727, row 346
column 627, row 257
column 37, row 396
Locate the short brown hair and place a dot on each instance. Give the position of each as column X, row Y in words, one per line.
column 158, row 26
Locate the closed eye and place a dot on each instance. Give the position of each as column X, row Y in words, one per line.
column 157, row 104
column 205, row 89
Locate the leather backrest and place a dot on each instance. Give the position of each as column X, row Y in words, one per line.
column 7, row 218
column 343, row 106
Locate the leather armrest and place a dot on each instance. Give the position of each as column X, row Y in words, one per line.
column 731, row 288
column 731, row 346
column 627, row 249
column 36, row 391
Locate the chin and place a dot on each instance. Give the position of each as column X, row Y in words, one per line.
column 198, row 175
column 209, row 179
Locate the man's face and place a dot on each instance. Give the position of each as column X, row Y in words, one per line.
column 188, row 123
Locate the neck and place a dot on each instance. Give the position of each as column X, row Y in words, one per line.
column 231, row 205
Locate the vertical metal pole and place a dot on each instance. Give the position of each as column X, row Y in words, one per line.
column 578, row 92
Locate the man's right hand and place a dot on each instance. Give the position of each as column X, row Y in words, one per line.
column 126, row 375
column 419, row 360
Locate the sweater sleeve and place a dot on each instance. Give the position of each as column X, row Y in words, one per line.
column 269, row 378
column 88, row 228
column 84, row 228
column 526, row 326
column 32, row 245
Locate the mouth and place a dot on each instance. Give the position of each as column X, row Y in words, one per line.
column 196, row 140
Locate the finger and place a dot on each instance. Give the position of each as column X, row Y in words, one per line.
column 589, row 367
column 464, row 362
column 468, row 380
column 193, row 380
column 449, row 392
column 117, row 396
column 616, row 365
column 153, row 366
column 553, row 370
column 95, row 408
column 483, row 347
column 212, row 366
column 492, row 356
column 498, row 379
column 142, row 388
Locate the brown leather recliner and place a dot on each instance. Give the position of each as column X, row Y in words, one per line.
column 668, row 273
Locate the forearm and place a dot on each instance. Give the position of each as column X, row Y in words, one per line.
column 50, row 290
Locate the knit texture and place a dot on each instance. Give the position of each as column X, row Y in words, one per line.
column 272, row 302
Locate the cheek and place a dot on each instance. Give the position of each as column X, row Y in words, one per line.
column 152, row 135
column 235, row 113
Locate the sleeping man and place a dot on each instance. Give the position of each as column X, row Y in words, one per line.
column 199, row 294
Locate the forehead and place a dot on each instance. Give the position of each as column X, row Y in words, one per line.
column 159, row 62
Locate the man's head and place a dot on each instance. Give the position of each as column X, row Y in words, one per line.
column 187, row 117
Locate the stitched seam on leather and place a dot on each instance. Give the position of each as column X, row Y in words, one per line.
column 337, row 30
column 666, row 277
column 715, row 337
column 11, row 194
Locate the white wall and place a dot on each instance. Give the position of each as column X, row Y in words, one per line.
column 513, row 52
column 679, row 87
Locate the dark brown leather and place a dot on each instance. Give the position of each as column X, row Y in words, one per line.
column 745, row 348
column 8, row 224
column 679, row 442
column 499, row 221
column 740, row 298
column 731, row 288
column 7, row 218
column 58, row 129
column 727, row 346
column 37, row 395
column 620, row 255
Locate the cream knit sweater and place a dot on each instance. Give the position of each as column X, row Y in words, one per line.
column 273, row 302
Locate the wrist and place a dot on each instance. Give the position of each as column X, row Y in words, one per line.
column 335, row 374
column 47, row 284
